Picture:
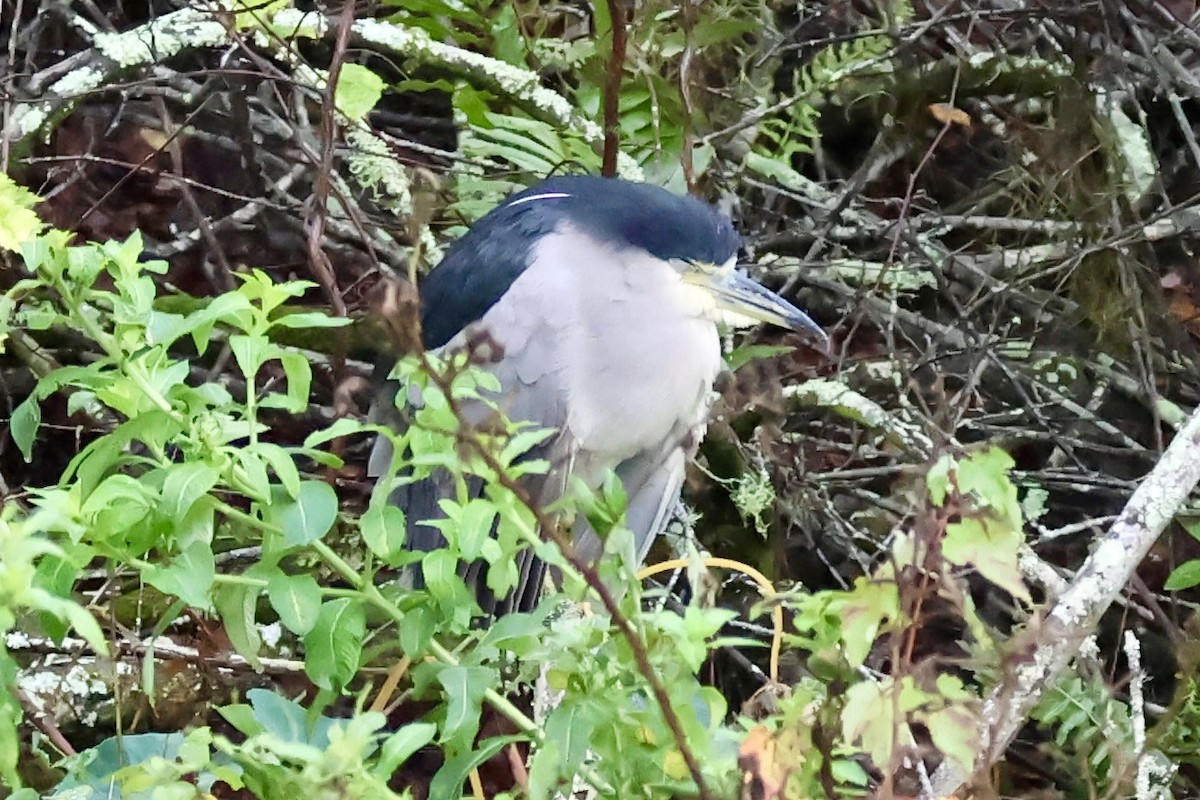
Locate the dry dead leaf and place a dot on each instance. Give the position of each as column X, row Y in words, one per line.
column 949, row 115
column 763, row 777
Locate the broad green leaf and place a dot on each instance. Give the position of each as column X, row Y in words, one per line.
column 56, row 574
column 18, row 222
column 120, row 510
column 289, row 720
column 241, row 716
column 340, row 427
column 417, row 631
column 282, row 463
column 257, row 484
column 86, row 626
column 250, row 352
column 297, row 600
column 358, row 90
column 1185, row 576
column 740, row 356
column 400, row 746
column 23, row 425
column 862, row 612
column 938, row 480
column 334, row 646
column 475, row 522
column 986, row 474
column 440, row 568
column 383, row 528
column 850, row 772
column 992, row 546
column 448, row 781
column 868, row 717
column 188, row 575
column 518, row 634
column 310, row 319
column 183, row 485
column 522, row 441
column 309, row 516
column 92, row 776
column 299, row 380
column 235, row 603
column 464, row 688
column 571, row 727
column 955, row 732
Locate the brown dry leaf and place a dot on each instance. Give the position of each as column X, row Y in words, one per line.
column 763, row 777
column 1184, row 310
column 949, row 115
column 156, row 139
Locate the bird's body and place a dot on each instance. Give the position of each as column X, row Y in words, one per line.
column 580, row 287
column 620, row 364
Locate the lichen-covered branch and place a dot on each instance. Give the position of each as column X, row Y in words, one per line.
column 1051, row 645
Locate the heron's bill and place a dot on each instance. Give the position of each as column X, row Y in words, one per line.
column 746, row 302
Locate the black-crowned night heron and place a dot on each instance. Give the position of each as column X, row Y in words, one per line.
column 600, row 300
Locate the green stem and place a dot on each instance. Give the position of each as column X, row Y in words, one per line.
column 376, row 598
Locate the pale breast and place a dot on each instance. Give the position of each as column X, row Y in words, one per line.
column 610, row 348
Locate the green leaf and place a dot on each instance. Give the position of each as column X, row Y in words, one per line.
column 862, row 612
column 299, row 380
column 464, row 687
column 241, row 716
column 740, row 356
column 297, row 600
column 250, row 353
column 340, row 427
column 309, row 319
column 986, row 474
column 955, row 732
column 282, row 463
column 235, row 603
column 383, row 528
column 571, row 727
column 290, row 721
column 18, row 222
column 417, row 631
column 475, row 522
column 1185, row 576
column 309, row 516
column 56, row 574
column 440, row 569
column 92, row 776
column 519, row 634
column 938, row 480
column 847, row 771
column 400, row 746
column 357, row 91
column 23, row 425
column 869, row 717
column 254, row 470
column 449, row 779
column 992, row 546
column 334, row 645
column 86, row 626
column 183, row 486
column 189, row 575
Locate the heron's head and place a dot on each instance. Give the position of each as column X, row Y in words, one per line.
column 698, row 243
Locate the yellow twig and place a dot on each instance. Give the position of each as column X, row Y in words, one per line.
column 477, row 785
column 765, row 587
column 390, row 683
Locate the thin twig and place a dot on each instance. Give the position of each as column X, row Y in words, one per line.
column 612, row 88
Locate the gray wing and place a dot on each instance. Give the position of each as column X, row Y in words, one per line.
column 652, row 480
column 529, row 370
